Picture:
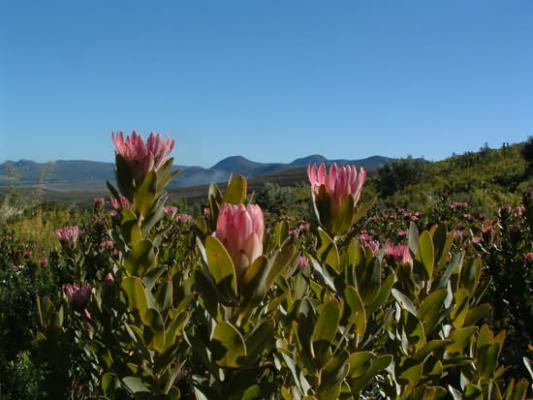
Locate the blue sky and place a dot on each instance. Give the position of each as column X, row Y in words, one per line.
column 270, row 80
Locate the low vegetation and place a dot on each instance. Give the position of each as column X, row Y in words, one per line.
column 415, row 282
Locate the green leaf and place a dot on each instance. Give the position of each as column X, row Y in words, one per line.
column 130, row 228
column 369, row 280
column 227, row 346
column 413, row 238
column 471, row 276
column 363, row 208
column 251, row 279
column 343, row 218
column 175, row 328
column 281, row 260
column 145, row 195
column 135, row 384
column 236, row 191
column 454, row 267
column 281, row 232
column 221, row 267
column 383, row 294
column 327, row 251
column 460, row 339
column 155, row 335
column 356, row 309
column 332, row 376
column 257, row 340
column 520, row 390
column 460, row 309
column 135, row 294
column 141, row 258
column 430, row 347
column 321, row 204
column 412, row 374
column 377, row 365
column 476, row 313
column 164, row 294
column 325, row 327
column 425, row 254
column 404, row 301
column 429, row 310
column 110, row 383
column 487, row 360
column 359, row 363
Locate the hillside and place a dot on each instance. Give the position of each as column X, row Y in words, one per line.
column 485, row 179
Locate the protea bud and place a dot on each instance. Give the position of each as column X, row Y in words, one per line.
column 99, row 202
column 78, row 295
column 302, row 262
column 240, row 229
column 335, row 194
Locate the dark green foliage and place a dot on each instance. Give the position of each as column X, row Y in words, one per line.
column 396, row 175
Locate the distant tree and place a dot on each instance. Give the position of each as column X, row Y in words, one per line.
column 527, row 152
column 396, row 175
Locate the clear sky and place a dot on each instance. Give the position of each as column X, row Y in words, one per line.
column 271, row 80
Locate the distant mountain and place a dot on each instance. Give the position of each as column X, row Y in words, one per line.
column 92, row 175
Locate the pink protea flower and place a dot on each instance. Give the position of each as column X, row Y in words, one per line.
column 305, row 227
column 528, row 257
column 206, row 211
column 302, row 262
column 109, row 278
column 170, row 210
column 143, row 157
column 120, row 203
column 240, row 229
column 69, row 234
column 458, row 234
column 99, row 202
column 107, row 244
column 399, row 253
column 78, row 295
column 339, row 182
column 373, row 245
column 294, row 232
column 184, row 218
column 477, row 239
column 43, row 261
column 365, row 236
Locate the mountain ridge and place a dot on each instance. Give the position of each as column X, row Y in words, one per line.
column 87, row 174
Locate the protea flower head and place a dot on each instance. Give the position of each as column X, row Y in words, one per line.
column 332, row 189
column 170, row 210
column 120, row 203
column 69, row 234
column 240, row 229
column 142, row 157
column 398, row 253
column 184, row 218
column 78, row 295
